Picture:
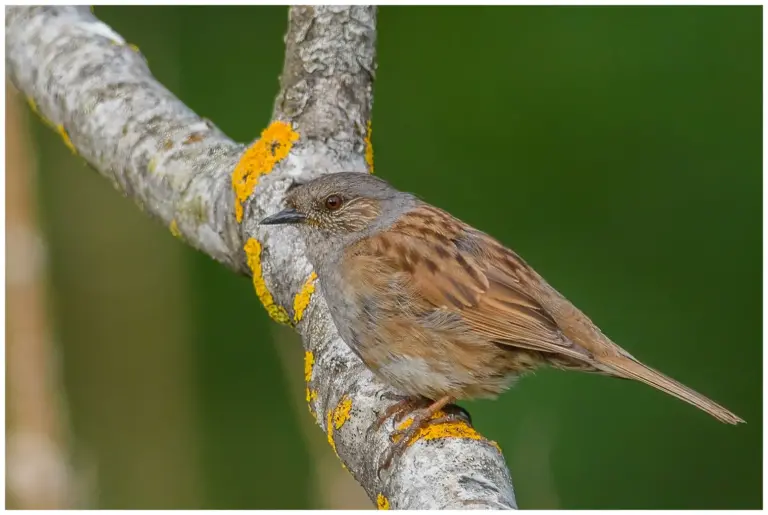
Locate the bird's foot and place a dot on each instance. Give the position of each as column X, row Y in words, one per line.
column 400, row 409
column 453, row 413
column 403, row 436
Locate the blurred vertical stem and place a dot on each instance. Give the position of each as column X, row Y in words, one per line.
column 38, row 474
column 121, row 305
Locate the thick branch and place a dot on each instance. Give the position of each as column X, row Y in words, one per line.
column 81, row 75
column 99, row 94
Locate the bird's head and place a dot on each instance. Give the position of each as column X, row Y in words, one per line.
column 338, row 204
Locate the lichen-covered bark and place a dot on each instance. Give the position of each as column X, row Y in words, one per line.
column 98, row 91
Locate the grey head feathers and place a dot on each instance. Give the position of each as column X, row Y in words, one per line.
column 367, row 205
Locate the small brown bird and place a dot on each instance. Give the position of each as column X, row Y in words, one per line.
column 440, row 310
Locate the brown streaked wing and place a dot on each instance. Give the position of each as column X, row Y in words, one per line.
column 426, row 243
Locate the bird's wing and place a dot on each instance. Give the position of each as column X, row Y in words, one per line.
column 454, row 267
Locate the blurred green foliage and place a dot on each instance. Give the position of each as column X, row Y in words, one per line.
column 617, row 149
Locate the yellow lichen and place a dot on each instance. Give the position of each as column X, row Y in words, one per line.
column 34, row 108
column 301, row 300
column 309, row 362
column 369, row 148
column 68, row 142
column 152, row 165
column 311, row 397
column 382, row 502
column 58, row 128
column 174, row 227
column 32, row 105
column 136, row 49
column 448, row 429
column 276, row 312
column 329, row 429
column 336, row 418
column 341, row 413
column 259, row 159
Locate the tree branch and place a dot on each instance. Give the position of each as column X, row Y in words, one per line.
column 99, row 94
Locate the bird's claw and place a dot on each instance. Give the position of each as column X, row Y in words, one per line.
column 400, row 438
column 403, row 437
column 455, row 413
column 398, row 411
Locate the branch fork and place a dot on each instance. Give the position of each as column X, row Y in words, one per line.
column 97, row 91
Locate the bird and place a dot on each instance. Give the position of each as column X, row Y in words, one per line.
column 439, row 310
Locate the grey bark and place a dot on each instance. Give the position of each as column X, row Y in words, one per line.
column 98, row 92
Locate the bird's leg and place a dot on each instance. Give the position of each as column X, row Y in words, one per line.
column 420, row 419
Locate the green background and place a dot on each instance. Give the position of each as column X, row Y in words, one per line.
column 618, row 150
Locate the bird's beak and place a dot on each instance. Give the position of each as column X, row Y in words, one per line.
column 286, row 216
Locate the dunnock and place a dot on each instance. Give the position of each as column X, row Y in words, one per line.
column 438, row 309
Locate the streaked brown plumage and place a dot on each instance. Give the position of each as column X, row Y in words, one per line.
column 439, row 309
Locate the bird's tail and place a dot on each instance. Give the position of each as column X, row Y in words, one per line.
column 632, row 369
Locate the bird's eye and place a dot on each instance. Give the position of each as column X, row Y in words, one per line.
column 333, row 202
